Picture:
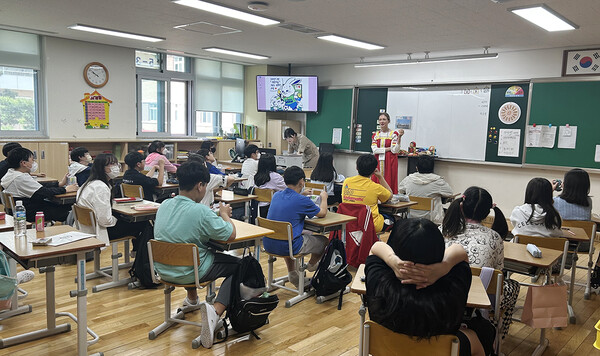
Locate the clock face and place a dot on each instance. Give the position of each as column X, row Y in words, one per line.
column 96, row 75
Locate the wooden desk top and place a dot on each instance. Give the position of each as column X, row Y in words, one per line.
column 330, row 219
column 398, row 205
column 477, row 298
column 8, row 224
column 43, row 180
column 236, row 198
column 574, row 234
column 518, row 253
column 167, row 186
column 245, row 231
column 27, row 251
column 230, row 165
column 66, row 195
column 127, row 208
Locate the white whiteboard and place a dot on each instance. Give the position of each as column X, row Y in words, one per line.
column 454, row 119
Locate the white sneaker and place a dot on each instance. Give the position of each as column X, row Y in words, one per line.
column 209, row 324
column 312, row 267
column 25, row 276
column 189, row 303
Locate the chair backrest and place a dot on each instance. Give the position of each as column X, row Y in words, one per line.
column 555, row 243
column 588, row 226
column 381, row 341
column 314, row 186
column 263, row 195
column 8, row 202
column 132, row 191
column 173, row 254
column 283, row 231
column 493, row 286
column 423, row 203
column 144, row 172
column 84, row 216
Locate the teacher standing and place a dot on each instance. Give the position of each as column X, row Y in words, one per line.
column 302, row 145
column 386, row 146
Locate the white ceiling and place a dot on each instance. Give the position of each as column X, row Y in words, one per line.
column 402, row 26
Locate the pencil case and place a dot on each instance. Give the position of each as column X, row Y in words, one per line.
column 534, row 250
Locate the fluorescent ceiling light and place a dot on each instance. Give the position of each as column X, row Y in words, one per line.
column 467, row 57
column 350, row 42
column 105, row 31
column 235, row 53
column 225, row 11
column 544, row 17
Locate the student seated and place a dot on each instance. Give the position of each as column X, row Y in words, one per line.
column 184, row 219
column 157, row 152
column 424, row 183
column 361, row 189
column 136, row 164
column 485, row 246
column 95, row 194
column 574, row 202
column 215, row 183
column 5, row 151
column 250, row 165
column 266, row 178
column 418, row 288
column 537, row 217
column 292, row 206
column 22, row 186
column 81, row 163
column 210, row 159
column 325, row 173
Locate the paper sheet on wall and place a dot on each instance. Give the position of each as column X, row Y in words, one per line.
column 508, row 142
column 337, row 136
column 534, row 134
column 597, row 154
column 548, row 136
column 567, row 137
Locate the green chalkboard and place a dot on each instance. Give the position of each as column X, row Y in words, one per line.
column 516, row 93
column 567, row 103
column 335, row 111
column 370, row 102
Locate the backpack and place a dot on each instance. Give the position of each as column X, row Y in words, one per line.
column 141, row 265
column 332, row 273
column 248, row 312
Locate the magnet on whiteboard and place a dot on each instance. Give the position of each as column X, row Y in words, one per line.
column 381, row 111
column 549, row 125
column 533, row 125
column 567, row 125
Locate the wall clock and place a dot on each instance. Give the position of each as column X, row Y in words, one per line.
column 95, row 74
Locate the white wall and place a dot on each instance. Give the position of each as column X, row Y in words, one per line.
column 505, row 183
column 64, row 62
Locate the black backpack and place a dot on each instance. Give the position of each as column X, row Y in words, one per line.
column 332, row 274
column 249, row 314
column 141, row 265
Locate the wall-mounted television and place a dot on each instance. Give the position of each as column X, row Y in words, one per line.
column 295, row 93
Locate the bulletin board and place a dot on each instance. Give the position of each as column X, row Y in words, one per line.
column 335, row 113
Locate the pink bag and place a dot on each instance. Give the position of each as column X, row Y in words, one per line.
column 546, row 306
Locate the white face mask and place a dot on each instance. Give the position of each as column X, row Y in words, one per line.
column 88, row 158
column 258, row 155
column 114, row 172
column 34, row 167
column 165, row 152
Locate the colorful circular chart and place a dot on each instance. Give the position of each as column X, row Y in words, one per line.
column 509, row 113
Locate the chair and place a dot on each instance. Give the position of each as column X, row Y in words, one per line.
column 314, row 186
column 423, row 204
column 132, row 191
column 175, row 254
column 381, row 341
column 86, row 217
column 555, row 243
column 262, row 196
column 283, row 231
column 590, row 229
column 495, row 288
column 8, row 202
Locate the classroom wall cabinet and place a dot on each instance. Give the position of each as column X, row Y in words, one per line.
column 52, row 157
column 275, row 129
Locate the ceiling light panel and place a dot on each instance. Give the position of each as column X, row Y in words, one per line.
column 350, row 42
column 234, row 53
column 109, row 32
column 544, row 17
column 226, row 11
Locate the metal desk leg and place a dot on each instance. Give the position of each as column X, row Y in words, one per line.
column 344, row 234
column 572, row 316
column 257, row 244
column 15, row 309
column 539, row 350
column 361, row 311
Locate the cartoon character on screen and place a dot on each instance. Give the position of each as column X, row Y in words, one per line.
column 277, row 104
column 291, row 94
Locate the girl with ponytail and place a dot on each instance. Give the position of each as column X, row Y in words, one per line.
column 484, row 246
column 537, row 217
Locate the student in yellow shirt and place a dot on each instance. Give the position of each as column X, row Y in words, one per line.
column 361, row 189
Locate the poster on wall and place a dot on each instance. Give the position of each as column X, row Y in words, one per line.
column 95, row 110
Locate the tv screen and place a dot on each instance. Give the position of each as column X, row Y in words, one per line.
column 286, row 93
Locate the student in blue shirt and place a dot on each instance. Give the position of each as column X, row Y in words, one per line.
column 184, row 219
column 293, row 206
column 210, row 159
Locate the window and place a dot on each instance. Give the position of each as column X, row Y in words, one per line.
column 163, row 95
column 19, row 70
column 219, row 96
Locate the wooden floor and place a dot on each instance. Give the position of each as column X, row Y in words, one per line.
column 123, row 318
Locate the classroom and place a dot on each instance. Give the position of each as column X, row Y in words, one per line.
column 185, row 86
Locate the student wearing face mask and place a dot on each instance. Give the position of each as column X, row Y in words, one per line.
column 22, row 186
column 157, row 152
column 250, row 165
column 95, row 194
column 81, row 163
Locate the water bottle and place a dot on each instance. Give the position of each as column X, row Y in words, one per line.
column 20, row 220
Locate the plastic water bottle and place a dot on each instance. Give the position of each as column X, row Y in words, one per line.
column 20, row 220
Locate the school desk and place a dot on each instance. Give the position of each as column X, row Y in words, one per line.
column 8, row 224
column 237, row 200
column 166, row 188
column 45, row 258
column 247, row 235
column 518, row 254
column 331, row 222
column 477, row 298
column 401, row 207
column 65, row 198
column 127, row 212
column 231, row 167
column 575, row 235
column 49, row 181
